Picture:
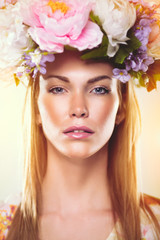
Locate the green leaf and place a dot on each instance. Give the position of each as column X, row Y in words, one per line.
column 137, row 75
column 100, row 52
column 134, row 42
column 140, row 76
column 96, row 53
column 124, row 50
column 105, row 41
column 121, row 55
column 95, row 19
column 67, row 47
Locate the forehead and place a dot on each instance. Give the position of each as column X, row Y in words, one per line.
column 70, row 62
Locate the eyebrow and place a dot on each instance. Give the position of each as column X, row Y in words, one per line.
column 92, row 80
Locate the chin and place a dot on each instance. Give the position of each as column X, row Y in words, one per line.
column 79, row 153
column 75, row 151
column 78, row 156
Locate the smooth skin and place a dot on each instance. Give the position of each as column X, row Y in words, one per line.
column 75, row 192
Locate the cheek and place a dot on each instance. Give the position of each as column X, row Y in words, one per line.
column 51, row 111
column 105, row 113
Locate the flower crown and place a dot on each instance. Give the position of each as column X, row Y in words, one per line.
column 124, row 32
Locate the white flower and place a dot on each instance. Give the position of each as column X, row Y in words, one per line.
column 36, row 56
column 14, row 39
column 20, row 69
column 117, row 17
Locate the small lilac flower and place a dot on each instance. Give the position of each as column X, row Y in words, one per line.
column 42, row 64
column 35, row 61
column 138, row 62
column 121, row 74
column 142, row 31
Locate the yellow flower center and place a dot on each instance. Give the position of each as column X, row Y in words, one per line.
column 58, row 6
column 121, row 73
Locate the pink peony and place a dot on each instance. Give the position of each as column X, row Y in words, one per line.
column 54, row 24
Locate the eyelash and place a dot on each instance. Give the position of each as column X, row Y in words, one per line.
column 104, row 89
column 52, row 90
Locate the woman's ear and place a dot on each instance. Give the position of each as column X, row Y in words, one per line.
column 119, row 118
column 120, row 114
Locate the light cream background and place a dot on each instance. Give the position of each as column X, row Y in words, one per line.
column 11, row 101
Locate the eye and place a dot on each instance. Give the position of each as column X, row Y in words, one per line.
column 101, row 90
column 57, row 90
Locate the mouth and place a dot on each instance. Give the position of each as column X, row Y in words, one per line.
column 78, row 132
column 76, row 129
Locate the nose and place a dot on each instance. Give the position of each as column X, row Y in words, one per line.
column 78, row 107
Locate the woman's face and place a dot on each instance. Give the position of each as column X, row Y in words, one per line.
column 78, row 103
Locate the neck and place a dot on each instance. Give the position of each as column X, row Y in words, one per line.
column 72, row 186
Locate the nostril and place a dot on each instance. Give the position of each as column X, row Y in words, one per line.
column 79, row 114
column 83, row 114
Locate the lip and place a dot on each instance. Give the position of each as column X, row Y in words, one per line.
column 78, row 135
column 83, row 128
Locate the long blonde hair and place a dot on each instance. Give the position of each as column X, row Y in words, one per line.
column 121, row 169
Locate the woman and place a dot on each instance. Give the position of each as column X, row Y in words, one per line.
column 80, row 171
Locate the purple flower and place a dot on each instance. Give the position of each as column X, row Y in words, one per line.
column 138, row 62
column 142, row 31
column 121, row 74
column 42, row 65
column 35, row 61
